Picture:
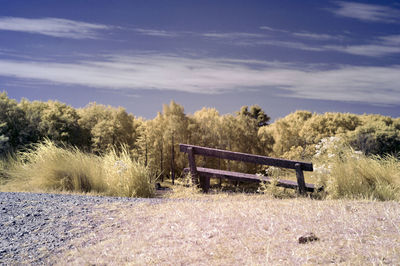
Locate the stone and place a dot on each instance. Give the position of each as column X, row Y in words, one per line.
column 309, row 237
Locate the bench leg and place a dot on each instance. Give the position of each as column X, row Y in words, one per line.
column 205, row 183
column 192, row 165
column 300, row 179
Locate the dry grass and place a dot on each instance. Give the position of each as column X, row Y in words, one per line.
column 242, row 230
column 47, row 167
column 356, row 176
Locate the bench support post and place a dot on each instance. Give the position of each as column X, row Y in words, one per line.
column 300, row 179
column 204, row 181
column 192, row 166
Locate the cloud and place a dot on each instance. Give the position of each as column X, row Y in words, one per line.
column 374, row 85
column 317, row 36
column 232, row 35
column 382, row 46
column 378, row 47
column 272, row 29
column 367, row 12
column 285, row 44
column 366, row 50
column 55, row 27
column 209, row 35
column 157, row 33
column 391, row 39
column 305, row 34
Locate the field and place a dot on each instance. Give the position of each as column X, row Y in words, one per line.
column 227, row 229
column 356, row 220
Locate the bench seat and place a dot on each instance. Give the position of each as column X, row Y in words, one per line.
column 209, row 172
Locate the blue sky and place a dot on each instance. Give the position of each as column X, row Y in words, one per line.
column 282, row 55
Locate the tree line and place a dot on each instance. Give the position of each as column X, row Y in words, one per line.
column 98, row 128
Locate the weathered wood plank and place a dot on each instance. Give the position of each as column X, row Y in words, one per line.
column 215, row 173
column 244, row 157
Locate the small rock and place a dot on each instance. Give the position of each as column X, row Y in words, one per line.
column 309, row 237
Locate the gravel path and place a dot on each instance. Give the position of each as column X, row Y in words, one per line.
column 34, row 226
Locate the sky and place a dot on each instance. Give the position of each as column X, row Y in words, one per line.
column 284, row 55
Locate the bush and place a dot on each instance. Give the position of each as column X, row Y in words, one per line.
column 48, row 167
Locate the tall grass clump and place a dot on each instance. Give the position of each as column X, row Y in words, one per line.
column 360, row 176
column 127, row 177
column 49, row 167
column 346, row 173
column 3, row 167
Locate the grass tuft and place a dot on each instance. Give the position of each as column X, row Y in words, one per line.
column 51, row 168
column 365, row 177
column 353, row 175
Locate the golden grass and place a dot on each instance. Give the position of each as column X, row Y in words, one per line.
column 242, row 230
column 47, row 167
column 356, row 176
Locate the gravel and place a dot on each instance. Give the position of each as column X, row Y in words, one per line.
column 35, row 226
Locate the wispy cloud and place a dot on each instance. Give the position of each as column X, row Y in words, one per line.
column 55, row 27
column 375, row 47
column 273, row 29
column 317, row 36
column 286, row 44
column 391, row 39
column 366, row 50
column 305, row 34
column 209, row 35
column 382, row 46
column 367, row 12
column 374, row 85
column 157, row 33
column 232, row 35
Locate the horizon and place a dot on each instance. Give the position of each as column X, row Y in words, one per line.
column 319, row 56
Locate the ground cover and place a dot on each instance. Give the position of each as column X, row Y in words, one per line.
column 226, row 229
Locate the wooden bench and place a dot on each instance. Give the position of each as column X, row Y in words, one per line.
column 204, row 174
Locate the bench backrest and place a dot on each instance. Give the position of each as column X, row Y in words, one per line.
column 244, row 157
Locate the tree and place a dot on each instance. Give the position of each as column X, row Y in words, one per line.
column 207, row 130
column 14, row 124
column 159, row 140
column 256, row 113
column 296, row 135
column 59, row 122
column 106, row 127
column 378, row 135
column 33, row 114
column 175, row 132
column 288, row 142
column 3, row 140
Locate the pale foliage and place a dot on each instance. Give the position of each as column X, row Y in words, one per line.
column 108, row 127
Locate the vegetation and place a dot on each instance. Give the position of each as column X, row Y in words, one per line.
column 364, row 163
column 241, row 229
column 47, row 167
column 346, row 173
